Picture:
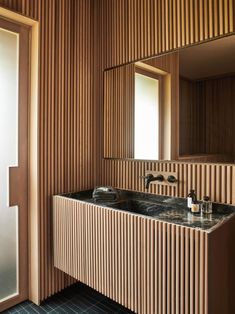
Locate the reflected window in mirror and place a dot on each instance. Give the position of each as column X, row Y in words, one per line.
column 146, row 134
column 137, row 109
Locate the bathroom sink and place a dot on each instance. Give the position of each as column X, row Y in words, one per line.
column 140, row 207
column 164, row 208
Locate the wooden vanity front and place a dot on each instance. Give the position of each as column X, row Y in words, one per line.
column 147, row 265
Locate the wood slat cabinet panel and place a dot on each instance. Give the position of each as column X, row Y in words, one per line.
column 148, row 266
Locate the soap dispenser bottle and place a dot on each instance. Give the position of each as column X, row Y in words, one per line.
column 191, row 198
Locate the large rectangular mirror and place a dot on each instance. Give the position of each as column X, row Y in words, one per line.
column 177, row 106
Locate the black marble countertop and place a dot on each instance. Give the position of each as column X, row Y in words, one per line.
column 164, row 208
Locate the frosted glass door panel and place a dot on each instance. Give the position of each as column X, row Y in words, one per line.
column 9, row 50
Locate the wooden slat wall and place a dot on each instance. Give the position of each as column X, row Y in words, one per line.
column 67, row 119
column 215, row 180
column 146, row 265
column 68, row 114
column 137, row 29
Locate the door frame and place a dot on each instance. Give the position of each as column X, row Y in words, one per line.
column 33, row 212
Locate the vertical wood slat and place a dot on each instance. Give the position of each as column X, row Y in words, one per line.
column 148, row 266
column 167, row 25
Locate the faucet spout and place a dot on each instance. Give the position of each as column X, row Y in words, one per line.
column 150, row 178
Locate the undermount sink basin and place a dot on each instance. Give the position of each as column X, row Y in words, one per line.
column 140, row 207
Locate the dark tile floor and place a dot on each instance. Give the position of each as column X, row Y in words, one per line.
column 76, row 299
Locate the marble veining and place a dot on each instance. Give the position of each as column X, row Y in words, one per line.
column 164, row 208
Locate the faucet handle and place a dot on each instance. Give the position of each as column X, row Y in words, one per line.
column 171, row 179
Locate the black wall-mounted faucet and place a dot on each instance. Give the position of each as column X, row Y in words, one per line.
column 150, row 178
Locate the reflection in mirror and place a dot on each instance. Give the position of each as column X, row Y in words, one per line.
column 121, row 108
column 178, row 106
column 146, row 110
column 207, row 101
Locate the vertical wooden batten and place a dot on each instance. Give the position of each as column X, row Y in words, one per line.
column 67, row 139
column 151, row 28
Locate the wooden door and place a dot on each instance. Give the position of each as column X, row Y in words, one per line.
column 14, row 82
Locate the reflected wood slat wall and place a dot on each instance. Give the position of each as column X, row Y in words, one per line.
column 207, row 116
column 218, row 98
column 68, row 115
column 191, row 133
column 119, row 112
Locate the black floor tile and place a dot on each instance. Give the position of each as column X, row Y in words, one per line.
column 76, row 299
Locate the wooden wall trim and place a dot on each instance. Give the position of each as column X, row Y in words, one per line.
column 34, row 222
